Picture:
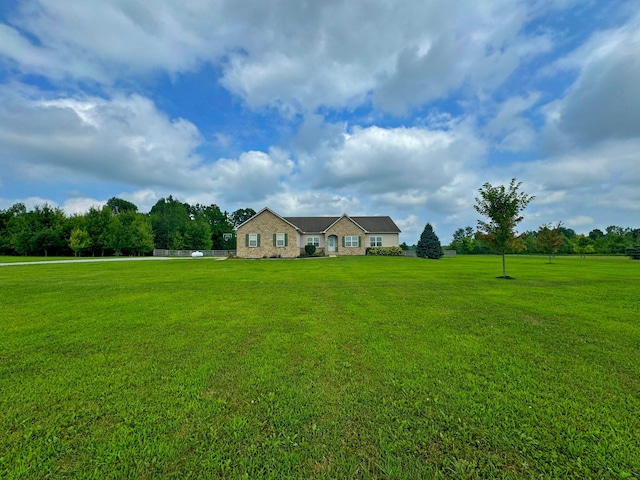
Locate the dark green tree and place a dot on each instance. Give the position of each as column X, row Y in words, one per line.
column 120, row 237
column 141, row 235
column 429, row 244
column 169, row 218
column 118, row 205
column 97, row 222
column 218, row 222
column 46, row 240
column 502, row 206
column 241, row 215
column 463, row 241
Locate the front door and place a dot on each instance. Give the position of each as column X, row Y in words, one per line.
column 332, row 243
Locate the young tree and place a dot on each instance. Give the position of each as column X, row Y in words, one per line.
column 79, row 240
column 429, row 244
column 502, row 206
column 582, row 245
column 549, row 239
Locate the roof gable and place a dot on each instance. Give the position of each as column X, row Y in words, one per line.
column 266, row 209
column 368, row 224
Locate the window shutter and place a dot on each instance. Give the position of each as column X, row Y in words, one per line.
column 275, row 235
column 258, row 239
column 343, row 244
column 246, row 239
column 286, row 239
column 359, row 240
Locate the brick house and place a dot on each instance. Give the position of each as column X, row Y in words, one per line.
column 267, row 234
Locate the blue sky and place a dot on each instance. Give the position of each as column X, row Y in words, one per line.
column 321, row 108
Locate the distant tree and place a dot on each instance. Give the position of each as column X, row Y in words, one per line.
column 242, row 215
column 429, row 245
column 197, row 234
column 502, row 206
column 618, row 239
column 582, row 245
column 549, row 239
column 79, row 241
column 46, row 240
column 7, row 221
column 169, row 218
column 118, row 205
column 596, row 234
column 530, row 241
column 142, row 235
column 97, row 222
column 218, row 224
column 633, row 252
column 463, row 241
column 120, row 238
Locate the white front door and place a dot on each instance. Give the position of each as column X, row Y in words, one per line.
column 332, row 243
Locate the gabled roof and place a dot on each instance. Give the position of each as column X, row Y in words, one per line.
column 382, row 224
column 367, row 224
column 266, row 209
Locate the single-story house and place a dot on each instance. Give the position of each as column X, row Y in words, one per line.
column 267, row 234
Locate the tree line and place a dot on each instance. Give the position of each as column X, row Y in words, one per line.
column 118, row 228
column 554, row 239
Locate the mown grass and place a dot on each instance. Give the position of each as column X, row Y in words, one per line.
column 13, row 259
column 321, row 368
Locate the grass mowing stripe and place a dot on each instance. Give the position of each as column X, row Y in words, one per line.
column 323, row 368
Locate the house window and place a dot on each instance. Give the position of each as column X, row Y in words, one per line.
column 375, row 241
column 351, row 241
column 315, row 241
column 280, row 240
column 253, row 240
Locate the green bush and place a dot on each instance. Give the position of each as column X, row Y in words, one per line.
column 385, row 251
column 310, row 249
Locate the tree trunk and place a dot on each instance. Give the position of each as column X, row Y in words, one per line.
column 504, row 267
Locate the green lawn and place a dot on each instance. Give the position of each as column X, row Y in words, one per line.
column 5, row 259
column 367, row 367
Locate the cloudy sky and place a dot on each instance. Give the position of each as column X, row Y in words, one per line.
column 309, row 107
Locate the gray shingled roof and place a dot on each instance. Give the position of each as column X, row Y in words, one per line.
column 320, row 224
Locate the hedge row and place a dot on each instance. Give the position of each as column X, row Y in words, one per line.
column 385, row 251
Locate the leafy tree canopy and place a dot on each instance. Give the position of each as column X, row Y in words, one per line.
column 118, row 205
column 502, row 206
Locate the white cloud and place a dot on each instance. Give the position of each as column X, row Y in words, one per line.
column 509, row 127
column 80, row 205
column 251, row 177
column 292, row 55
column 399, row 166
column 580, row 221
column 123, row 139
column 604, row 102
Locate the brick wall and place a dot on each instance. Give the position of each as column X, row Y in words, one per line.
column 266, row 224
column 345, row 227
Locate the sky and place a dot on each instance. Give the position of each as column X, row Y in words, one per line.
column 377, row 107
